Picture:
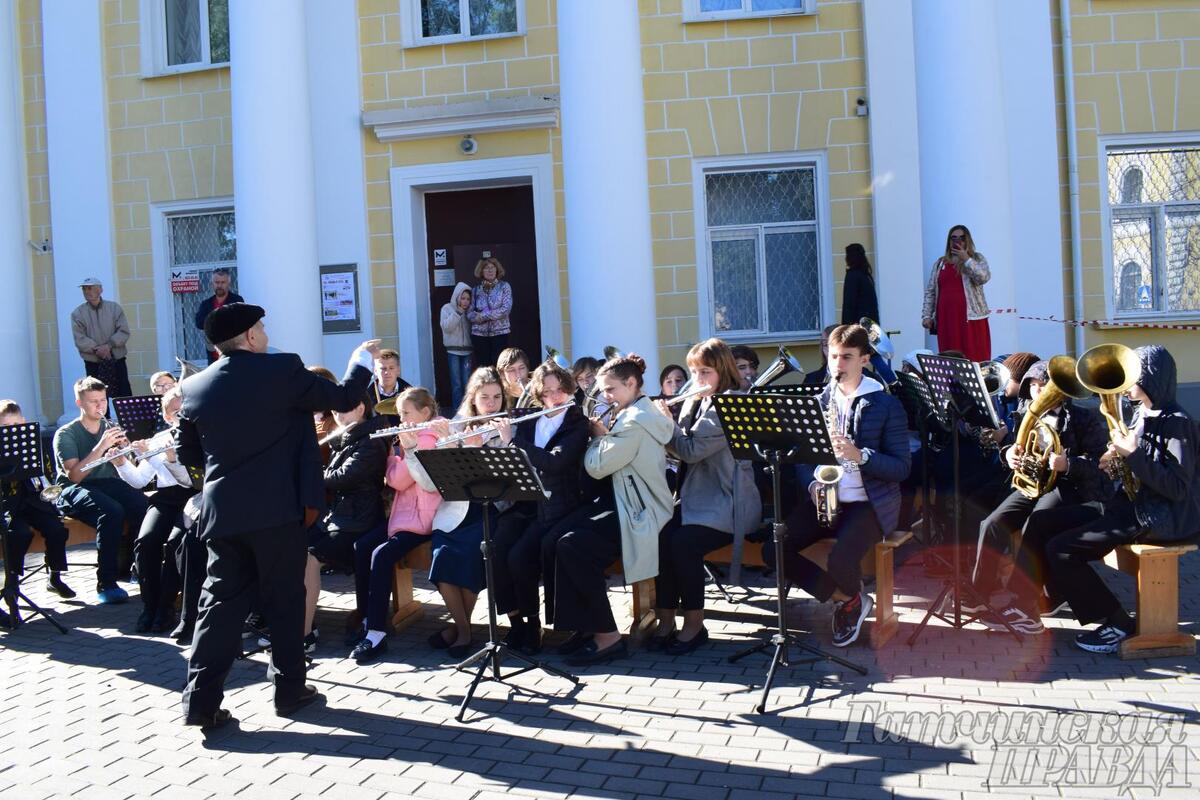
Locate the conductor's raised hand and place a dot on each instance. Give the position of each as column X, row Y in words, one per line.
column 372, row 346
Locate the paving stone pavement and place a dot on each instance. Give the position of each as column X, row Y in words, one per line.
column 962, row 714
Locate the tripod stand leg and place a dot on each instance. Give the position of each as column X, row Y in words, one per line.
column 39, row 610
column 936, row 604
column 776, row 660
column 712, row 576
column 533, row 663
column 483, row 665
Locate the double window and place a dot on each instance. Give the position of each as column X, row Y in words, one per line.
column 1153, row 201
column 704, row 10
column 762, row 271
column 184, row 35
column 445, row 21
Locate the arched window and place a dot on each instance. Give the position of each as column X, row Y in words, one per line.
column 1131, row 186
column 1131, row 277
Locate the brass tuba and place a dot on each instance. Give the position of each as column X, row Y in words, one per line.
column 880, row 342
column 783, row 364
column 1110, row 370
column 1033, row 477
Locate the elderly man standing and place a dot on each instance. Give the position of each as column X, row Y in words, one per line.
column 221, row 295
column 101, row 331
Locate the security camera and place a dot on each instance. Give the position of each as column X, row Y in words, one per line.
column 468, row 145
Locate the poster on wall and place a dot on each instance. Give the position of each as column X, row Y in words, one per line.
column 339, row 298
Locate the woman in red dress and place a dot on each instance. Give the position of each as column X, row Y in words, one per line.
column 955, row 307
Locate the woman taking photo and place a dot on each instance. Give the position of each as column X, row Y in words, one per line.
column 955, row 308
column 491, row 304
column 629, row 462
column 718, row 501
column 858, row 291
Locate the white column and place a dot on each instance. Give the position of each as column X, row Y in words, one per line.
column 605, row 180
column 17, row 356
column 964, row 145
column 340, row 185
column 896, row 171
column 274, row 199
column 81, row 215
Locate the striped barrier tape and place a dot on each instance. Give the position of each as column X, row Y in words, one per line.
column 1099, row 323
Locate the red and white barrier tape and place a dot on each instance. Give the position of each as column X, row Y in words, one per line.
column 1099, row 323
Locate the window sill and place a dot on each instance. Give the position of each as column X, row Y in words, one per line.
column 458, row 39
column 770, row 339
column 1157, row 318
column 730, row 16
column 183, row 69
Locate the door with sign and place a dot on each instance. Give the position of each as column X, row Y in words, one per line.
column 197, row 244
column 462, row 226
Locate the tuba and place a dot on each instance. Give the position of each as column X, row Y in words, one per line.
column 1110, row 370
column 783, row 364
column 880, row 342
column 1033, row 477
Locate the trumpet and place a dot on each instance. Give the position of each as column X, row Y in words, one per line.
column 488, row 431
column 691, row 391
column 50, row 491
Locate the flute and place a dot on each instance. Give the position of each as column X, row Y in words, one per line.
column 487, row 431
column 694, row 392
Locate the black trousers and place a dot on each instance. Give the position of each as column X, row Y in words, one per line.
column 681, row 551
column 114, row 373
column 517, row 561
column 106, row 504
column 995, row 535
column 21, row 525
column 857, row 530
column 1058, row 547
column 269, row 564
column 191, row 562
column 158, row 575
column 583, row 545
column 488, row 348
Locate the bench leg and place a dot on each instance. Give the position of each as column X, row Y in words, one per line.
column 405, row 610
column 1158, row 631
column 642, row 610
column 886, row 623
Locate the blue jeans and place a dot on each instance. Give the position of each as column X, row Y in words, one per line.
column 375, row 557
column 106, row 504
column 460, row 373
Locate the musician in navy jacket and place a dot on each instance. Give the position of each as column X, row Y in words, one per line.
column 870, row 438
column 247, row 420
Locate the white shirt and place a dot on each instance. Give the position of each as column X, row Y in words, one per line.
column 547, row 426
column 156, row 468
column 850, row 487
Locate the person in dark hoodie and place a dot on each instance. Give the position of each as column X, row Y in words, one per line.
column 1084, row 437
column 1161, row 452
column 870, row 439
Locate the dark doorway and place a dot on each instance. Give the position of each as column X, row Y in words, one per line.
column 460, row 227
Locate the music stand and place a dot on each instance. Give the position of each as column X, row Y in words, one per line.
column 778, row 429
column 483, row 475
column 795, row 390
column 138, row 416
column 918, row 404
column 20, row 459
column 958, row 394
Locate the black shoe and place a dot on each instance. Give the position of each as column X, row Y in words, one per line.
column 209, row 722
column 848, row 619
column 145, row 621
column 459, row 651
column 678, row 647
column 364, row 652
column 437, row 641
column 183, row 632
column 574, row 643
column 591, row 655
column 164, row 620
column 311, row 643
column 56, row 586
column 655, row 643
column 355, row 636
column 515, row 638
column 533, row 638
column 307, row 696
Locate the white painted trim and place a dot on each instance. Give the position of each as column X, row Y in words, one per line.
column 820, row 163
column 153, row 52
column 410, row 23
column 1125, row 141
column 692, row 12
column 159, row 242
column 409, row 185
column 459, row 119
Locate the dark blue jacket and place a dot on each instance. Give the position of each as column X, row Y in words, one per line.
column 877, row 425
column 206, row 307
column 1168, row 505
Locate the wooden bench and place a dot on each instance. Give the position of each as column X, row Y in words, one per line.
column 405, row 609
column 1156, row 570
column 880, row 561
column 641, row 607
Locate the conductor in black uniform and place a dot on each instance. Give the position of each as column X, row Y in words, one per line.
column 247, row 420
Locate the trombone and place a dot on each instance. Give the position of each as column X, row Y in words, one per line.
column 487, row 431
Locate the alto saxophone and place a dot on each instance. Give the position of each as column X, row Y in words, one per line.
column 827, row 476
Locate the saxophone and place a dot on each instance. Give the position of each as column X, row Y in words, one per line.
column 827, row 476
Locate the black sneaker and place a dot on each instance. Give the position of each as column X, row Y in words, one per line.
column 515, row 638
column 55, row 585
column 145, row 621
column 311, row 643
column 848, row 618
column 1105, row 639
column 364, row 652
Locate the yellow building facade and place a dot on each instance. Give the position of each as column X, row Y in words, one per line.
column 771, row 141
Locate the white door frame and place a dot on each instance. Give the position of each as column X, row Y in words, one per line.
column 409, row 185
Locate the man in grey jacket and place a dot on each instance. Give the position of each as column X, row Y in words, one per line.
column 101, row 331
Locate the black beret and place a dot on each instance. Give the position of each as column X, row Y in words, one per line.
column 230, row 320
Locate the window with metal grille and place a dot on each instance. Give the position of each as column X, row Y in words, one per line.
column 1153, row 195
column 201, row 242
column 184, row 35
column 444, row 21
column 704, row 10
column 764, row 265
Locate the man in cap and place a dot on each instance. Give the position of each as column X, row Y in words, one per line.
column 101, row 331
column 247, row 420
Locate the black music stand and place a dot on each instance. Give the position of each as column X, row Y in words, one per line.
column 484, row 475
column 795, row 390
column 918, row 404
column 140, row 417
column 778, row 429
column 20, row 459
column 958, row 394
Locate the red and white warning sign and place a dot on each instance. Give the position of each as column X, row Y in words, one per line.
column 185, row 280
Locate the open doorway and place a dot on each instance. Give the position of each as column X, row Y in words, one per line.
column 463, row 226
